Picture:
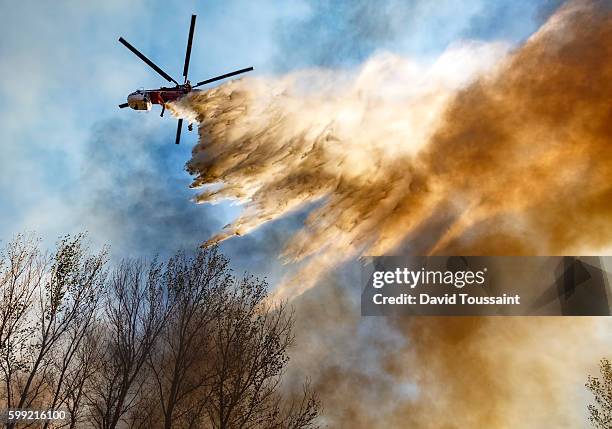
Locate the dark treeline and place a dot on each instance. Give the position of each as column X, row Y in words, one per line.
column 181, row 343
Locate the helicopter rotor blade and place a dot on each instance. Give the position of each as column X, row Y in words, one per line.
column 188, row 52
column 123, row 106
column 178, row 131
column 146, row 60
column 223, row 76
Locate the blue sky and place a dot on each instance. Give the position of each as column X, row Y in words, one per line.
column 72, row 161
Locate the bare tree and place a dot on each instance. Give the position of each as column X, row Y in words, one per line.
column 88, row 364
column 181, row 378
column 52, row 301
column 600, row 413
column 135, row 315
column 72, row 365
column 22, row 269
column 248, row 352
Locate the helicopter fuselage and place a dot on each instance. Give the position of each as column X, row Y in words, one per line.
column 143, row 99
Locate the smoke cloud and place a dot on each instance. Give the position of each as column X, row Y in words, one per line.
column 476, row 153
column 334, row 142
column 483, row 151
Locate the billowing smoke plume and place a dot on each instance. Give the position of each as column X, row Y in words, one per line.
column 474, row 153
column 479, row 152
column 445, row 373
column 340, row 143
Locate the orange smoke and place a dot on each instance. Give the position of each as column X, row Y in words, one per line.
column 509, row 154
column 477, row 153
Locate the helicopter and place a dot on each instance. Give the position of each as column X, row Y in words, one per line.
column 143, row 99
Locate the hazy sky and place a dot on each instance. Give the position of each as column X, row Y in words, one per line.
column 72, row 161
